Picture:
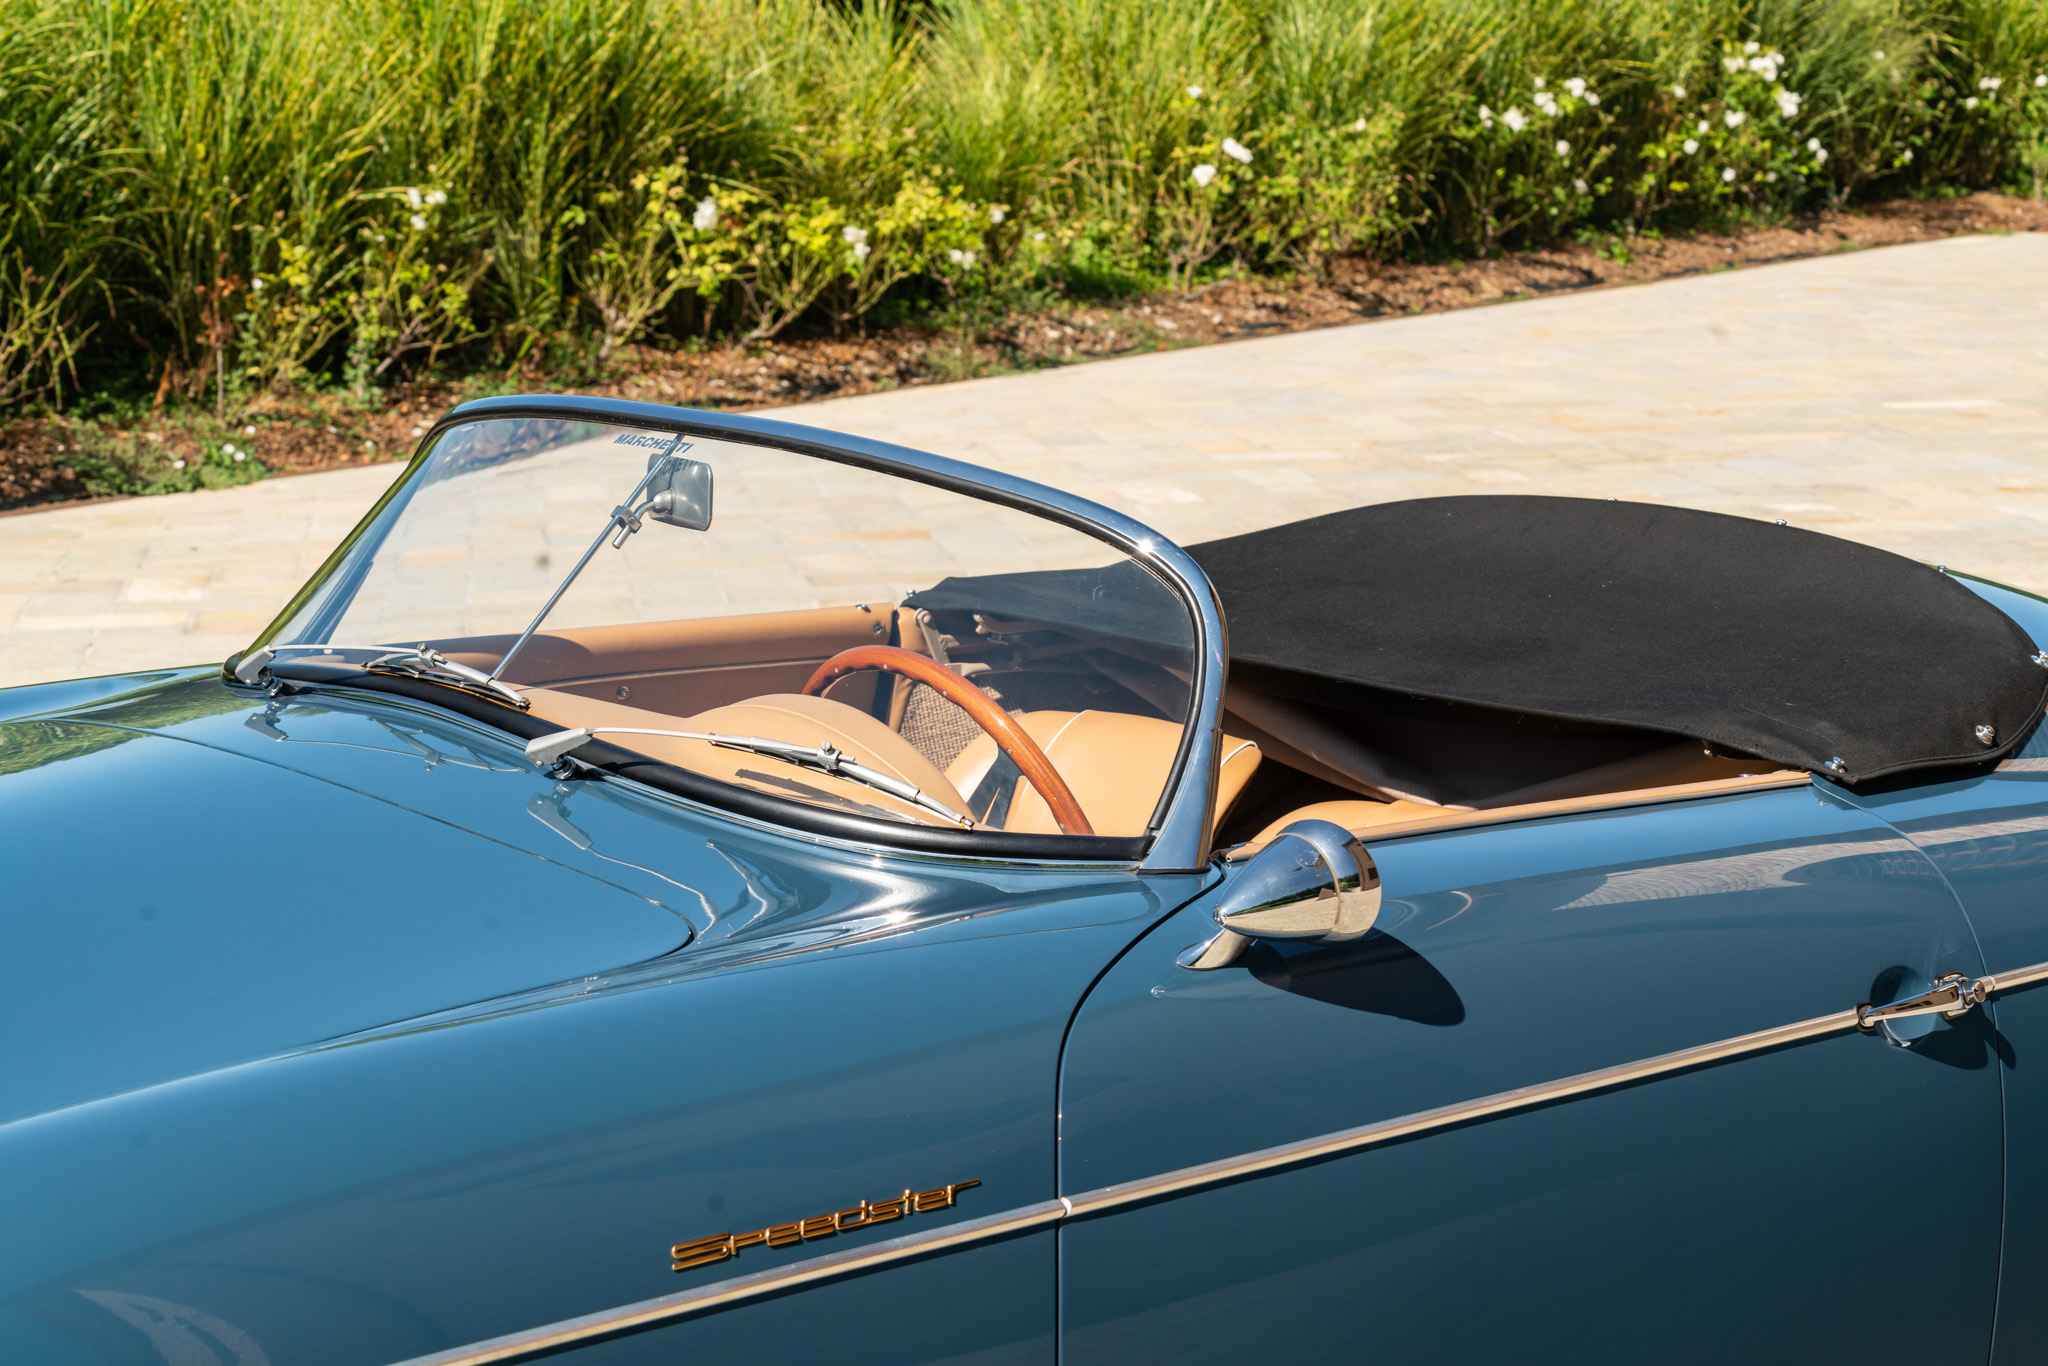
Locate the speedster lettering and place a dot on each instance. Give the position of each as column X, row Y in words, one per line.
column 720, row 1247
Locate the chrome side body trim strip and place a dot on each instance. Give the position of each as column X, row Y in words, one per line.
column 556, row 1337
column 606, row 1323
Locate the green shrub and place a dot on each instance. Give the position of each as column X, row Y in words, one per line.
column 251, row 195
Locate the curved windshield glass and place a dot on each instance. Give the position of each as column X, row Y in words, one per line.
column 806, row 629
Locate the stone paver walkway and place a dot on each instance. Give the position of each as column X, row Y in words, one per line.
column 1897, row 397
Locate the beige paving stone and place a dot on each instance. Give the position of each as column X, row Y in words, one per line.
column 1896, row 397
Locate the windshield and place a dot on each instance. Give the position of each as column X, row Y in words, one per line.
column 810, row 630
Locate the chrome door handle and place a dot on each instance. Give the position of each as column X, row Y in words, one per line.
column 1950, row 996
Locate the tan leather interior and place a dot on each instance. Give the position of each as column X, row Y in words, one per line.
column 1116, row 764
column 1378, row 820
column 790, row 716
column 686, row 666
column 739, row 675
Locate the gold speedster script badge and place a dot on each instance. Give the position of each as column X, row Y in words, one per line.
column 719, row 1246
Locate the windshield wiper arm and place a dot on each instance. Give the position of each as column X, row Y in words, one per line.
column 416, row 660
column 549, row 750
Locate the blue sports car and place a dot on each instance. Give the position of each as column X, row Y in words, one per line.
column 678, row 887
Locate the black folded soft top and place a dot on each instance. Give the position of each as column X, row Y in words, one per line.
column 1764, row 639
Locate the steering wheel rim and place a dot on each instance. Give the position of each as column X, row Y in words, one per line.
column 1011, row 738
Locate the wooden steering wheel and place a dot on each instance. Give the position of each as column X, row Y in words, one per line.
column 1001, row 727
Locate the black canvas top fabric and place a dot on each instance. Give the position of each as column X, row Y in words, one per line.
column 1769, row 640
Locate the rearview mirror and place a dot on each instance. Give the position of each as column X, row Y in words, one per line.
column 1314, row 881
column 679, row 492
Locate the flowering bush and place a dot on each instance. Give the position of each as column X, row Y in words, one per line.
column 205, row 185
column 1324, row 190
column 287, row 318
column 1534, row 169
column 403, row 297
column 2005, row 117
column 1738, row 144
column 634, row 273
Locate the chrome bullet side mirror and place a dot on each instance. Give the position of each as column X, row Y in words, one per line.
column 1314, row 881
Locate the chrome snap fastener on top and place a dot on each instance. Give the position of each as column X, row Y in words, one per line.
column 1987, row 735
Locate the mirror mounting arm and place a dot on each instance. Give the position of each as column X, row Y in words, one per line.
column 678, row 493
column 1314, row 881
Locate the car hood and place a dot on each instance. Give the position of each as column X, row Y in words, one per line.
column 189, row 886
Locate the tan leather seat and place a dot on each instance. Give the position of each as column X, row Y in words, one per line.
column 1116, row 765
column 782, row 716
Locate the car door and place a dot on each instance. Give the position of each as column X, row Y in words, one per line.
column 1833, row 1198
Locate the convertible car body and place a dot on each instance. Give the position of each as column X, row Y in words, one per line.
column 684, row 887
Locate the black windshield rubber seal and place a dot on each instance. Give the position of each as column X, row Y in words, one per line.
column 695, row 787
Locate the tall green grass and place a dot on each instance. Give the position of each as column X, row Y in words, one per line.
column 204, row 198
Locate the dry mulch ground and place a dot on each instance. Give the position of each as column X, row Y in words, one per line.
column 296, row 435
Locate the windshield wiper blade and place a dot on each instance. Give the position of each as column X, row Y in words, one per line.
column 549, row 750
column 417, row 661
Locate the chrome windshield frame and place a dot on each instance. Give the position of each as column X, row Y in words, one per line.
column 1180, row 823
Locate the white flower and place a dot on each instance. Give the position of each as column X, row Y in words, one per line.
column 419, row 430
column 1770, row 177
column 854, row 236
column 995, row 213
column 256, row 283
column 376, row 237
column 228, row 446
column 1485, row 117
column 1678, row 92
column 1907, row 156
column 1547, row 102
column 706, row 216
column 963, row 259
column 412, row 197
column 1540, row 82
column 1204, row 173
column 1194, row 92
column 1691, row 145
column 1877, row 56
column 1752, row 47
column 177, row 464
column 1592, row 98
column 1564, row 149
column 1813, row 144
column 1764, row 67
column 2041, row 80
column 1728, row 175
column 1788, row 103
column 1515, row 120
column 1038, row 237
column 1358, row 127
column 249, row 430
column 1580, row 185
column 240, row 457
column 1970, row 103
column 1731, row 63
column 1703, row 126
column 861, row 250
column 1734, row 118
column 418, row 223
column 437, row 196
column 1990, row 82
column 1237, row 151
column 1576, row 87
